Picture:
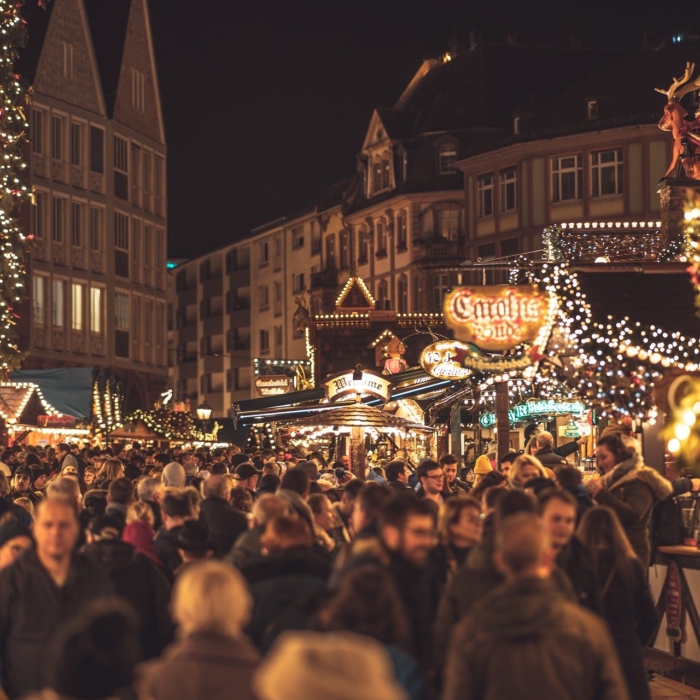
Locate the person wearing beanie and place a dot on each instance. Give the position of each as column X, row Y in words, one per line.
column 481, row 468
column 174, row 475
column 15, row 540
column 341, row 666
column 238, row 459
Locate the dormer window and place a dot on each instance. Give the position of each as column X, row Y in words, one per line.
column 592, row 109
column 377, row 175
column 448, row 156
column 381, row 173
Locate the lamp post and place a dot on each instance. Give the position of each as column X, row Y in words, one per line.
column 204, row 414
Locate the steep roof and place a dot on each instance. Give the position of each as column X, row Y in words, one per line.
column 37, row 19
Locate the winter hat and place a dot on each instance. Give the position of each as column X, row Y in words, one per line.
column 239, row 459
column 194, row 537
column 338, row 666
column 483, row 465
column 245, row 471
column 139, row 534
column 24, row 470
column 12, row 529
column 69, row 461
column 174, row 475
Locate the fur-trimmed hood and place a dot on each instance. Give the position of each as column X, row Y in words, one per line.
column 634, row 469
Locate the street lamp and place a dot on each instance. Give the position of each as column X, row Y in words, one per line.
column 204, row 414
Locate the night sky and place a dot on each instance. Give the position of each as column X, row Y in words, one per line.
column 266, row 103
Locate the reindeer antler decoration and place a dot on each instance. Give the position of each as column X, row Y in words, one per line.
column 677, row 82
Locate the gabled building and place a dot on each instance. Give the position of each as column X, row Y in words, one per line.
column 97, row 162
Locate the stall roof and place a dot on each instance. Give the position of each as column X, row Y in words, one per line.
column 68, row 390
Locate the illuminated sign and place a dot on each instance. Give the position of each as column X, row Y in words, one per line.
column 523, row 411
column 344, row 385
column 496, row 317
column 66, row 422
column 446, row 359
column 272, row 384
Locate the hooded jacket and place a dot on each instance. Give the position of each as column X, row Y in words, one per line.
column 528, row 641
column 632, row 490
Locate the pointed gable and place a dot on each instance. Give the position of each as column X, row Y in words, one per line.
column 354, row 297
column 67, row 69
column 137, row 102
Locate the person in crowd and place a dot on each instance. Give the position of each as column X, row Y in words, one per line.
column 525, row 637
column 324, row 522
column 151, row 491
column 9, row 459
column 247, row 476
column 367, row 602
column 348, row 493
column 27, row 504
column 139, row 534
column 289, row 572
column 89, row 476
column 342, row 666
column 15, row 540
column 216, row 512
column 242, row 499
column 506, row 462
column 41, row 589
column 630, row 488
column 431, row 481
column 570, row 479
column 460, row 527
column 310, row 467
column 269, row 483
column 177, row 509
column 492, row 479
column 68, row 488
column 119, row 497
column 22, row 485
column 397, row 475
column 111, row 469
column 366, row 507
column 247, row 547
column 294, row 488
column 618, row 424
column 453, row 486
column 62, row 449
column 211, row 658
column 194, row 544
column 545, row 453
column 218, row 469
column 524, row 469
column 482, row 467
column 134, row 578
column 174, row 475
column 531, row 448
column 558, row 514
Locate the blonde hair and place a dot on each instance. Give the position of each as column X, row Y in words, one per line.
column 27, row 504
column 523, row 461
column 211, row 596
column 111, row 470
column 140, row 510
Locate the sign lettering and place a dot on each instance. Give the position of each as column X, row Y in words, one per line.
column 272, row 384
column 535, row 408
column 343, row 385
column 447, row 358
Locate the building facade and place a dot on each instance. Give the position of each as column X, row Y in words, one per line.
column 97, row 162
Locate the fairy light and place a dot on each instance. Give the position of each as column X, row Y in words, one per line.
column 349, row 285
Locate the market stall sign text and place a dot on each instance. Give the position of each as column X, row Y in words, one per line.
column 446, row 358
column 272, row 384
column 342, row 386
column 524, row 411
column 496, row 317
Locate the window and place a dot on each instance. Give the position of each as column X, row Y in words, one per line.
column 67, row 60
column 606, row 173
column 39, row 300
column 39, row 215
column 147, row 172
column 264, row 341
column 121, row 167
column 136, row 318
column 278, row 336
column 377, row 175
column 298, row 285
column 264, row 253
column 486, row 252
column 401, row 232
column 510, row 247
column 315, row 239
column 76, row 143
column 58, row 303
column 592, row 109
column 136, row 241
column 77, row 306
column 278, row 246
column 205, row 384
column 57, row 137
column 96, row 227
column 441, row 284
column 121, row 231
column 448, row 224
column 148, row 246
column 363, row 245
column 297, row 238
column 278, row 291
column 148, row 321
column 97, row 149
column 59, row 216
column 137, row 90
column 448, row 157
column 509, row 184
column 383, row 295
column 96, row 309
column 516, row 125
column 567, row 176
column 386, row 172
column 402, row 295
column 158, row 253
column 485, row 192
column 38, row 134
column 330, row 253
column 264, row 297
column 381, row 238
column 77, row 223
column 344, row 250
column 158, row 323
column 136, row 172
column 122, row 317
column 159, row 183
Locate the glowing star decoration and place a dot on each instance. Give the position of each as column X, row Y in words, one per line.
column 496, row 318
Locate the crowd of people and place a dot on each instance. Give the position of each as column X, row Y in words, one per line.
column 277, row 576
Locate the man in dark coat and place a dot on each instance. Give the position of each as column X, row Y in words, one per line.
column 453, row 486
column 134, row 578
column 397, row 475
column 177, row 508
column 39, row 591
column 217, row 513
column 545, row 454
column 525, row 639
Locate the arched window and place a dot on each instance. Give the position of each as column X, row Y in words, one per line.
column 381, row 237
column 402, row 294
column 383, row 295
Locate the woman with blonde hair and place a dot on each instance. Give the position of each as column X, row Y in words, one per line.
column 524, row 469
column 142, row 511
column 111, row 469
column 211, row 605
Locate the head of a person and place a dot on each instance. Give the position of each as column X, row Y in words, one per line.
column 89, row 475
column 121, row 491
column 431, row 477
column 493, row 478
column 217, row 487
column 66, row 487
column 513, row 502
column 56, row 528
column 461, row 523
column 174, row 475
column 27, row 504
column 602, row 535
column 318, row 459
column 176, row 508
column 482, row 467
column 242, row 499
column 450, row 465
column 22, row 480
column 150, row 489
column 367, row 505
column 407, row 526
column 396, row 470
column 545, row 441
column 267, row 507
column 490, row 498
column 104, row 527
column 269, row 483
column 62, row 449
column 539, row 485
column 200, row 459
column 322, row 511
column 247, row 475
column 297, row 480
column 194, row 541
column 558, row 515
column 506, row 462
column 611, row 451
column 524, row 469
column 345, row 459
column 111, row 469
column 531, row 448
column 310, row 467
column 119, row 450
column 218, row 469
column 284, row 533
column 268, row 456
column 5, row 487
column 15, row 540
column 523, row 547
column 70, row 466
column 140, row 511
column 568, row 477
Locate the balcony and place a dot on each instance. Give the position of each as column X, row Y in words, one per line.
column 439, row 249
column 213, row 287
column 240, row 277
column 325, row 280
column 213, row 325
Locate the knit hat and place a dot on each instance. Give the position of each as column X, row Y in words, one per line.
column 194, row 537
column 12, row 529
column 339, row 666
column 69, row 461
column 174, row 475
column 483, row 465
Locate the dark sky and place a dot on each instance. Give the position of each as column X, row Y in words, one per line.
column 267, row 102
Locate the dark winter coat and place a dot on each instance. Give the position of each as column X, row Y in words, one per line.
column 166, row 544
column 224, row 522
column 139, row 581
column 549, row 458
column 201, row 665
column 632, row 491
column 528, row 641
column 575, row 561
column 32, row 606
column 631, row 616
column 246, row 547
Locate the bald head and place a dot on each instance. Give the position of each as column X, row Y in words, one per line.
column 218, row 486
column 523, row 547
column 545, row 440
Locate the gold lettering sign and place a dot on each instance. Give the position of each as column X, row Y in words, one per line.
column 344, row 386
column 496, row 318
